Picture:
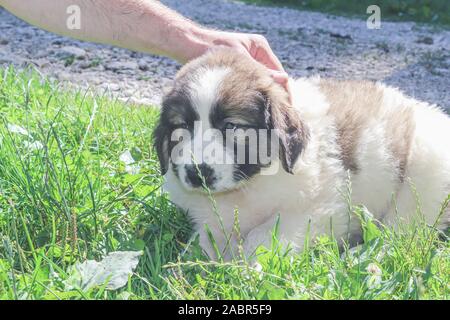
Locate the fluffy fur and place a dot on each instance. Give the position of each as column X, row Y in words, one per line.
column 387, row 144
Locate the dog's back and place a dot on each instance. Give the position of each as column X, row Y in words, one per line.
column 396, row 148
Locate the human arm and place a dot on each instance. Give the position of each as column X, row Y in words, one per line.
column 141, row 25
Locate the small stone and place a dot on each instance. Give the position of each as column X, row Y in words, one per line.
column 41, row 63
column 64, row 76
column 4, row 59
column 41, row 54
column 143, row 65
column 341, row 36
column 121, row 66
column 113, row 86
column 85, row 64
column 425, row 40
column 71, row 52
column 4, row 41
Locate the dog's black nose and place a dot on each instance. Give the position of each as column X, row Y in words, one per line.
column 196, row 174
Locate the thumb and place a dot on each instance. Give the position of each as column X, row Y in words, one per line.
column 279, row 77
column 282, row 78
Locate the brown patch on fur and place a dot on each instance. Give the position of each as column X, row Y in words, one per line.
column 399, row 131
column 353, row 104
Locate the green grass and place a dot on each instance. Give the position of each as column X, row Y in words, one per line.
column 428, row 11
column 72, row 200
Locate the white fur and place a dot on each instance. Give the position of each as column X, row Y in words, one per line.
column 204, row 89
column 312, row 198
column 203, row 93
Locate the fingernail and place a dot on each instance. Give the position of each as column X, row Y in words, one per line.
column 280, row 77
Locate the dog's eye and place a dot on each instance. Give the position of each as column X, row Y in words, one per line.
column 230, row 126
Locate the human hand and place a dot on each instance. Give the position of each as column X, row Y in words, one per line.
column 254, row 45
column 257, row 47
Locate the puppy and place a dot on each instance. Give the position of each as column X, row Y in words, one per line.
column 393, row 149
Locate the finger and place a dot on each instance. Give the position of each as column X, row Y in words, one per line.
column 265, row 55
column 282, row 79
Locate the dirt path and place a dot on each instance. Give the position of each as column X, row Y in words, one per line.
column 413, row 57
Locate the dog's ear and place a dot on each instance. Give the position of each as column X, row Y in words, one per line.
column 293, row 134
column 161, row 144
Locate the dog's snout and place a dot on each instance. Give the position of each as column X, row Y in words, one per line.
column 195, row 175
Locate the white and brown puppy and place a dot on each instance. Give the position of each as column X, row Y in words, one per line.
column 384, row 141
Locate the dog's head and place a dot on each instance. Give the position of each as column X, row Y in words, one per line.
column 224, row 121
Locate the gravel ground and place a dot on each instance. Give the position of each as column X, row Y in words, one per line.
column 413, row 57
